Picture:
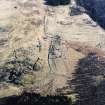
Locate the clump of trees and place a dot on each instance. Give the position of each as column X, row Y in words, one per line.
column 57, row 2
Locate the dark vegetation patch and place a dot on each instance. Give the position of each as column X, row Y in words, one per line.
column 35, row 99
column 13, row 71
column 75, row 11
column 57, row 2
column 3, row 29
column 89, row 80
column 20, row 64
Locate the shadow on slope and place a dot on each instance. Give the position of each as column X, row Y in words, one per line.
column 96, row 10
column 89, row 80
column 35, row 99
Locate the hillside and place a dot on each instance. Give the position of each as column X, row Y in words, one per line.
column 45, row 49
